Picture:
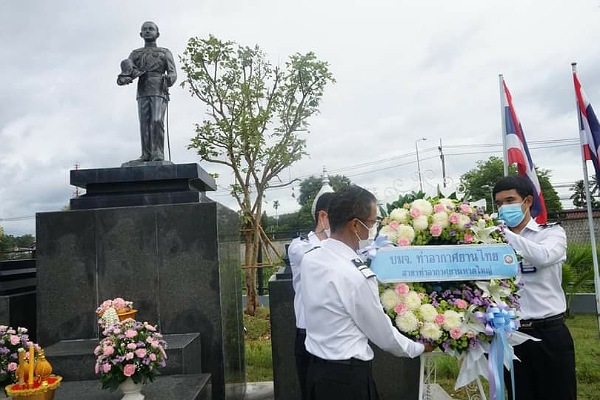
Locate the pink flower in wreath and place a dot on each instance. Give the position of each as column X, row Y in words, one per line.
column 106, row 368
column 129, row 370
column 435, row 230
column 402, row 288
column 415, row 212
column 131, row 333
column 439, row 208
column 466, row 209
column 14, row 340
column 454, row 218
column 12, row 366
column 152, row 357
column 403, row 242
column 468, row 238
column 439, row 319
column 108, row 350
column 400, row 309
column 455, row 333
column 132, row 346
column 394, row 225
column 460, row 303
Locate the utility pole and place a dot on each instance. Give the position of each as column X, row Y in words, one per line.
column 443, row 163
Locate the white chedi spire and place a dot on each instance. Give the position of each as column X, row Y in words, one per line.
column 325, row 188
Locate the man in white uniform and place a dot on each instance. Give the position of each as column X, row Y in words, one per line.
column 547, row 368
column 296, row 251
column 342, row 307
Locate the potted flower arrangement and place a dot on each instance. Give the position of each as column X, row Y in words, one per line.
column 123, row 308
column 10, row 341
column 129, row 354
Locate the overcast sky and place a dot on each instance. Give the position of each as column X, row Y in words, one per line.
column 404, row 70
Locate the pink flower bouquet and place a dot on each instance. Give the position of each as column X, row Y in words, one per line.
column 130, row 349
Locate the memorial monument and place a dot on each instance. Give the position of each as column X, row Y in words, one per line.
column 146, row 232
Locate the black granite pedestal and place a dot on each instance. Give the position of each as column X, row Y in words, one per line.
column 283, row 336
column 179, row 264
column 396, row 378
column 18, row 294
column 152, row 184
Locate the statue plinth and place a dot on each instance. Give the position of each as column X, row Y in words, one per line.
column 152, row 183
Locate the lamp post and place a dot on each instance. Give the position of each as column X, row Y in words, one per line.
column 491, row 189
column 419, row 163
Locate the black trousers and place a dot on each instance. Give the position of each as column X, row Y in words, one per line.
column 347, row 379
column 547, row 368
column 302, row 361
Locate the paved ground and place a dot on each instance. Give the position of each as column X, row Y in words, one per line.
column 259, row 391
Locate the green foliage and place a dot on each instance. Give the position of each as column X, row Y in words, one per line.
column 578, row 271
column 579, row 196
column 255, row 111
column 479, row 182
column 259, row 361
column 310, row 186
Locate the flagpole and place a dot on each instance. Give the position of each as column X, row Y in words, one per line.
column 503, row 123
column 588, row 199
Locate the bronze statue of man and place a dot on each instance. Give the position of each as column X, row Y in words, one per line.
column 155, row 69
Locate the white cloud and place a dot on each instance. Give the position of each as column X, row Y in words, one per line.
column 404, row 70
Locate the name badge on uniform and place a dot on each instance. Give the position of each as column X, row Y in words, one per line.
column 527, row 268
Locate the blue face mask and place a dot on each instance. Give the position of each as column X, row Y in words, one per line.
column 511, row 214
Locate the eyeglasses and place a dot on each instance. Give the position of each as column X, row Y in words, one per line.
column 374, row 223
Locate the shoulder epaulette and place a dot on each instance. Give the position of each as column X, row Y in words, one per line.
column 550, row 224
column 316, row 247
column 363, row 268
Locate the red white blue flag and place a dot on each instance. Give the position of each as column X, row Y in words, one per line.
column 589, row 128
column 518, row 152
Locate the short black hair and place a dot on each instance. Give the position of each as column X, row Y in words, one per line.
column 322, row 204
column 520, row 184
column 349, row 203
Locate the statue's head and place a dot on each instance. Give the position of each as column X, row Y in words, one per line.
column 149, row 31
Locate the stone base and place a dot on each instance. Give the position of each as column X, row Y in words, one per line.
column 74, row 360
column 180, row 387
column 19, row 310
column 149, row 183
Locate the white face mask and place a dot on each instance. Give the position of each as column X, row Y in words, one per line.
column 372, row 233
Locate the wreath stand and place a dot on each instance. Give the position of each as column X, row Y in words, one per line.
column 429, row 389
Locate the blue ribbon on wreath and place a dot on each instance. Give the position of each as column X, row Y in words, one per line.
column 370, row 251
column 499, row 321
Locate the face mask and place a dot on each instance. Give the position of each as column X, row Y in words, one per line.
column 511, row 214
column 372, row 233
column 327, row 232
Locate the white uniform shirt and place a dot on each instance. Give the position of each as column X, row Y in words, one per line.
column 343, row 310
column 296, row 251
column 544, row 248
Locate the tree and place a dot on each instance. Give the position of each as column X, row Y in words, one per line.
column 578, row 196
column 478, row 183
column 310, row 186
column 256, row 115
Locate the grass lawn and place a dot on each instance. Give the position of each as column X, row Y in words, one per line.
column 583, row 328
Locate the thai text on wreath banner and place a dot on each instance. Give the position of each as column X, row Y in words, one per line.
column 445, row 263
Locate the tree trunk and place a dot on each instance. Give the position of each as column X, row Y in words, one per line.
column 250, row 256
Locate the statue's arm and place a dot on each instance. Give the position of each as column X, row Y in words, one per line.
column 128, row 71
column 171, row 69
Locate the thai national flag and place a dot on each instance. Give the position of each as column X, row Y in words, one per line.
column 518, row 152
column 589, row 128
